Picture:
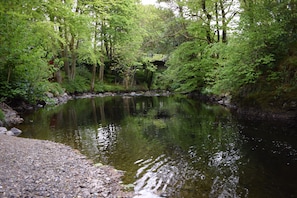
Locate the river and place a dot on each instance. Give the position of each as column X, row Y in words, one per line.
column 175, row 147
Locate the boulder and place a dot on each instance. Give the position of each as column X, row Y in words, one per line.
column 10, row 133
column 11, row 116
column 49, row 95
column 63, row 98
column 3, row 130
column 15, row 131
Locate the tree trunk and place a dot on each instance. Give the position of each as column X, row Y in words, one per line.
column 9, row 74
column 101, row 72
column 126, row 80
column 58, row 76
column 64, row 51
column 106, row 47
column 73, row 49
column 93, row 76
column 110, row 49
column 101, row 68
column 217, row 22
column 95, row 63
column 103, row 44
column 66, row 60
column 208, row 20
column 224, row 34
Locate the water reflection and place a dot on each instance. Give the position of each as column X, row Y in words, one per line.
column 269, row 150
column 164, row 176
column 226, row 181
column 107, row 136
column 175, row 147
column 193, row 151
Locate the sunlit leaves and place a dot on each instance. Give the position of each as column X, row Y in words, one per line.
column 27, row 42
column 186, row 67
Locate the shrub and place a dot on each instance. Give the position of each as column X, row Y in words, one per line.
column 2, row 116
column 55, row 88
column 78, row 85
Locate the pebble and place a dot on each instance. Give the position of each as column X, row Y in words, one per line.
column 37, row 168
column 16, row 131
column 12, row 132
column 3, row 130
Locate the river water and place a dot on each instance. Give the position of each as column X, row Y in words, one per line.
column 175, row 147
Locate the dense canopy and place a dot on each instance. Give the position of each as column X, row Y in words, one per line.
column 244, row 48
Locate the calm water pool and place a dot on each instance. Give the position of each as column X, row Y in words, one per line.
column 175, row 147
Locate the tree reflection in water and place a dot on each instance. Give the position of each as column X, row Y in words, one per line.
column 174, row 147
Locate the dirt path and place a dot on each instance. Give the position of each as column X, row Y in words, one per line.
column 36, row 168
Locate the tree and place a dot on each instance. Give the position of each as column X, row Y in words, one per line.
column 114, row 24
column 194, row 57
column 25, row 50
column 74, row 30
column 262, row 42
column 157, row 29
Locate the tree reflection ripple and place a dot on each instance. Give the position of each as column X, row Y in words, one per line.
column 175, row 147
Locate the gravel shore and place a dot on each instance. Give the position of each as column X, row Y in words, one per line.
column 37, row 168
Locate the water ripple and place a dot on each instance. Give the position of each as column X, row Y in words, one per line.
column 106, row 136
column 162, row 176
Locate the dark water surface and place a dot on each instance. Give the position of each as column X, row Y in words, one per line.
column 176, row 147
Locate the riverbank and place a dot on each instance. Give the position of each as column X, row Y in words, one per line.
column 37, row 168
column 12, row 117
column 80, row 118
column 283, row 111
column 240, row 110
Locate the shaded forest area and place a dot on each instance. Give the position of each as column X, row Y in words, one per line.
column 247, row 49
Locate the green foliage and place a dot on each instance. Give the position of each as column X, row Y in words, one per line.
column 78, row 85
column 157, row 27
column 81, row 82
column 186, row 67
column 55, row 88
column 2, row 116
column 234, row 68
column 85, row 33
column 104, row 87
column 253, row 54
column 25, row 50
column 124, row 37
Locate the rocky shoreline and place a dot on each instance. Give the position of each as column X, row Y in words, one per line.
column 12, row 116
column 247, row 112
column 12, row 132
column 37, row 168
